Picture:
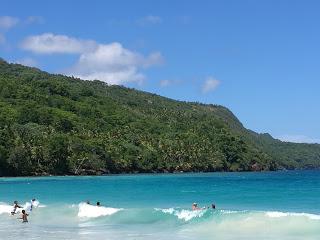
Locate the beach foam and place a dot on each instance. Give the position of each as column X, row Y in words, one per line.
column 5, row 208
column 183, row 214
column 201, row 224
column 292, row 214
column 90, row 211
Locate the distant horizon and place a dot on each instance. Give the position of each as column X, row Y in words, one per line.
column 258, row 59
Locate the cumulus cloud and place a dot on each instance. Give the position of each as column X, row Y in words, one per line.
column 210, row 85
column 7, row 22
column 298, row 139
column 27, row 62
column 149, row 20
column 49, row 43
column 111, row 62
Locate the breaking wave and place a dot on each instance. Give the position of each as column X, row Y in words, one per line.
column 200, row 224
column 6, row 208
column 90, row 211
column 183, row 214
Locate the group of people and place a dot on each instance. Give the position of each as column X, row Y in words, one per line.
column 98, row 203
column 195, row 207
column 24, row 215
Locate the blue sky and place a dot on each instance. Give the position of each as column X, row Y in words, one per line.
column 258, row 58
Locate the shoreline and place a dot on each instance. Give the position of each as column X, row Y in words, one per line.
column 161, row 173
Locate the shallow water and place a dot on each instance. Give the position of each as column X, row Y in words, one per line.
column 271, row 205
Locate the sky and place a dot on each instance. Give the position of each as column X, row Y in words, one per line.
column 261, row 59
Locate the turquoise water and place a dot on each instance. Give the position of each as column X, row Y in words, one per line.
column 270, row 205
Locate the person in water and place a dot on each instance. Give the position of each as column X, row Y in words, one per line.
column 32, row 204
column 24, row 216
column 213, row 206
column 15, row 207
column 195, row 207
column 98, row 204
column 88, row 202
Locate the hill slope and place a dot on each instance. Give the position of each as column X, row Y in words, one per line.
column 53, row 124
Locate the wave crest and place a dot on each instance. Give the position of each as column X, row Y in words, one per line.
column 183, row 214
column 6, row 208
column 292, row 214
column 90, row 211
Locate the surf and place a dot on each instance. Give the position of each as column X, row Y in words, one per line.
column 7, row 208
column 200, row 224
column 90, row 211
column 131, row 209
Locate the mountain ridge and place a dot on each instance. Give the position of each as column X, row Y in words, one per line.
column 53, row 124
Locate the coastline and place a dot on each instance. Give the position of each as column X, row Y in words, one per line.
column 163, row 173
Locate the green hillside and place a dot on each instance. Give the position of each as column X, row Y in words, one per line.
column 53, row 124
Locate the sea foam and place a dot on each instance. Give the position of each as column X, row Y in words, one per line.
column 183, row 214
column 90, row 211
column 6, row 208
column 292, row 214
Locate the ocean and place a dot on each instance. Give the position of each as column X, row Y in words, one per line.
column 265, row 205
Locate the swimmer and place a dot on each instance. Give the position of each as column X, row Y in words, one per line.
column 24, row 216
column 98, row 204
column 213, row 206
column 15, row 206
column 195, row 207
column 88, row 202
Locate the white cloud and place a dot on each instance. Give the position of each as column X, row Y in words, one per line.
column 49, row 43
column 7, row 22
column 27, row 62
column 298, row 139
column 149, row 20
column 210, row 85
column 111, row 62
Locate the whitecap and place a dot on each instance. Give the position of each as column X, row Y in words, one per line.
column 276, row 214
column 288, row 214
column 166, row 210
column 187, row 215
column 90, row 211
column 5, row 208
column 183, row 214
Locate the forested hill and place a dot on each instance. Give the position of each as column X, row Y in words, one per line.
column 53, row 124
